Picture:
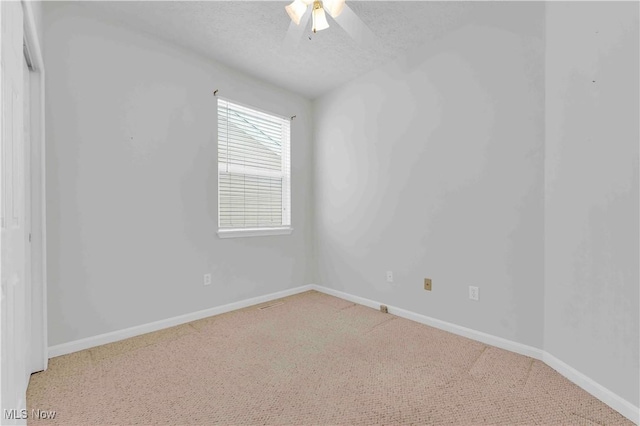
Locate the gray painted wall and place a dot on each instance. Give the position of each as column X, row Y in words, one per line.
column 432, row 166
column 132, row 181
column 591, row 195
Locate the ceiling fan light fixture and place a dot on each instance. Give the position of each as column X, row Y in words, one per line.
column 319, row 17
column 334, row 7
column 295, row 10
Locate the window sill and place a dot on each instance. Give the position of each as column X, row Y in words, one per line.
column 253, row 232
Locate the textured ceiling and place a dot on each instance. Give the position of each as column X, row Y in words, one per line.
column 250, row 36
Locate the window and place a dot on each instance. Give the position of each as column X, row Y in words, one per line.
column 254, row 176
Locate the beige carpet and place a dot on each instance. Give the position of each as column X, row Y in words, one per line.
column 307, row 359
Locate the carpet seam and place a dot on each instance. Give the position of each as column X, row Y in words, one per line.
column 346, row 307
column 380, row 323
column 526, row 379
column 587, row 418
column 477, row 359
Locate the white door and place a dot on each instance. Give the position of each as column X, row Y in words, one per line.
column 27, row 215
column 14, row 373
column 34, row 150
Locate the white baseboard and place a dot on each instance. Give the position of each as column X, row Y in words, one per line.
column 605, row 395
column 489, row 339
column 114, row 336
column 610, row 398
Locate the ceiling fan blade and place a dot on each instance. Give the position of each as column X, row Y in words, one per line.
column 295, row 32
column 354, row 26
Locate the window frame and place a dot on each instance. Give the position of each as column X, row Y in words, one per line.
column 286, row 180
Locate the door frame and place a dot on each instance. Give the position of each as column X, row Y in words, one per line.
column 39, row 353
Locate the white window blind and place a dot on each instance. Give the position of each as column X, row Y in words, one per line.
column 253, row 168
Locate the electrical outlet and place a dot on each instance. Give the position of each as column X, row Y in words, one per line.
column 427, row 284
column 474, row 293
column 389, row 276
column 207, row 279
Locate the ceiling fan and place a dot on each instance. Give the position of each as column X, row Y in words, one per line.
column 298, row 8
column 337, row 9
